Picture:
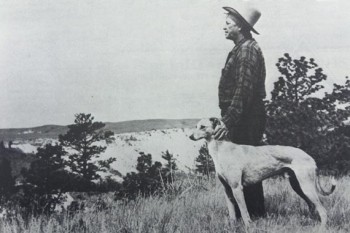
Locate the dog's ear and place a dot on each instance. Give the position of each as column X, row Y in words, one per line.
column 215, row 121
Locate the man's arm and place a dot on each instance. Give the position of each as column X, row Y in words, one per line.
column 243, row 91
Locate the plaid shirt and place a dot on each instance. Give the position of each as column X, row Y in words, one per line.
column 242, row 83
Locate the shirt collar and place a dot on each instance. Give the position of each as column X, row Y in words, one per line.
column 239, row 43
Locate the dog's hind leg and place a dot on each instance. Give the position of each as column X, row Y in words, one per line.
column 296, row 187
column 306, row 179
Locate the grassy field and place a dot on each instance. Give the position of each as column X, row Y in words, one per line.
column 198, row 208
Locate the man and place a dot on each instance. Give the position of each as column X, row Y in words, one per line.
column 241, row 94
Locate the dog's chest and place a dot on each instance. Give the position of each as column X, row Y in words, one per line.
column 226, row 158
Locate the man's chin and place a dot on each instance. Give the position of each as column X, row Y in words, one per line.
column 228, row 37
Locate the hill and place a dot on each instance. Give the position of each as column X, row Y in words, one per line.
column 148, row 125
column 132, row 137
column 52, row 131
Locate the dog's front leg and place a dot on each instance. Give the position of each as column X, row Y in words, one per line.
column 237, row 190
column 230, row 205
column 230, row 200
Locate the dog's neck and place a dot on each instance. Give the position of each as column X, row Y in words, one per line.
column 213, row 147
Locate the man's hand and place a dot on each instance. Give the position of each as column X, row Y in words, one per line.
column 220, row 132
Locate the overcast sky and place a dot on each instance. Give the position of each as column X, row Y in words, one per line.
column 125, row 60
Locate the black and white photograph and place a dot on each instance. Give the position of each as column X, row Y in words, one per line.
column 162, row 116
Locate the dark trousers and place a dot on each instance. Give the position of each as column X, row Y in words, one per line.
column 250, row 132
column 254, row 198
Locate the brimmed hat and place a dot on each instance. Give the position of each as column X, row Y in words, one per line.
column 248, row 16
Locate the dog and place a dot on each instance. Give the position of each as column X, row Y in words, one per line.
column 242, row 165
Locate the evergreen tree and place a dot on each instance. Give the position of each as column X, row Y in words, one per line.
column 297, row 117
column 144, row 163
column 169, row 168
column 205, row 164
column 170, row 161
column 45, row 181
column 83, row 140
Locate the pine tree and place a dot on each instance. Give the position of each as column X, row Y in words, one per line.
column 169, row 168
column 297, row 117
column 205, row 164
column 45, row 181
column 83, row 139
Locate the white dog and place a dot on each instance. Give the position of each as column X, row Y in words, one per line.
column 242, row 165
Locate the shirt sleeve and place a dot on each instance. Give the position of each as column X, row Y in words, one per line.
column 243, row 90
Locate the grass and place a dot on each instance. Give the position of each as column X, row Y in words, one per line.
column 200, row 208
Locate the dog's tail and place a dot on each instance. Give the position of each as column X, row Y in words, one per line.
column 320, row 188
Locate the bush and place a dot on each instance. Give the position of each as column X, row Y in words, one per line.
column 6, row 180
column 147, row 181
column 150, row 179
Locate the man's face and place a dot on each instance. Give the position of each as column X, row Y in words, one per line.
column 231, row 28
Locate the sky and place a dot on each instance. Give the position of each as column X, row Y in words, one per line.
column 147, row 59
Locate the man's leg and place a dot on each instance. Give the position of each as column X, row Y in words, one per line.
column 250, row 133
column 254, row 197
column 254, row 194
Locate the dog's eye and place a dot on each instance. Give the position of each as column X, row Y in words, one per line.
column 202, row 127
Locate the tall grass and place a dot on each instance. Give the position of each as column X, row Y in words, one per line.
column 197, row 208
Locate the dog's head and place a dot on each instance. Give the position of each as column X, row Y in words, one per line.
column 205, row 129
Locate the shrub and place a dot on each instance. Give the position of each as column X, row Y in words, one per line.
column 147, row 181
column 6, row 180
